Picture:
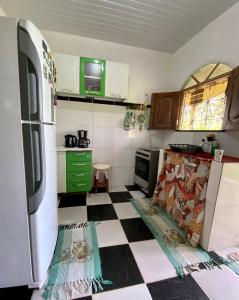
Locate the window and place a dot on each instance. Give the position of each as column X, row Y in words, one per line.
column 203, row 103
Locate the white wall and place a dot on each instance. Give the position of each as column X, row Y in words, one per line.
column 149, row 70
column 218, row 42
column 2, row 12
column 110, row 142
column 152, row 71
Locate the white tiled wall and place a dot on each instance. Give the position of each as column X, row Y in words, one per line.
column 110, row 142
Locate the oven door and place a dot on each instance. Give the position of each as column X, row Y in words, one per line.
column 142, row 168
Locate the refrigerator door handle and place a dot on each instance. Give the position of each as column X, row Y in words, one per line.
column 30, row 76
column 34, row 165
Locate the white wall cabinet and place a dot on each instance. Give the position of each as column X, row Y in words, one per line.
column 67, row 73
column 116, row 80
column 61, row 172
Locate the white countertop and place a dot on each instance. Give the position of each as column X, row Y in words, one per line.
column 63, row 149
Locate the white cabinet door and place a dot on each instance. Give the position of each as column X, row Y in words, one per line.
column 67, row 73
column 61, row 172
column 116, row 80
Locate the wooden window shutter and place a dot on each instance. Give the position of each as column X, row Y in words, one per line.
column 164, row 110
column 231, row 117
column 196, row 96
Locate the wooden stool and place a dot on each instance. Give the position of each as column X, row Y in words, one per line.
column 101, row 169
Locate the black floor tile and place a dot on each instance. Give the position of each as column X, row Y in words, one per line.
column 136, row 230
column 73, row 200
column 119, row 266
column 101, row 212
column 132, row 187
column 19, row 292
column 177, row 288
column 216, row 261
column 99, row 190
column 117, row 197
column 215, row 257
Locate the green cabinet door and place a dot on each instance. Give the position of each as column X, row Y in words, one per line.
column 92, row 76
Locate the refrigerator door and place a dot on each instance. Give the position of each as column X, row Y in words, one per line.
column 43, row 64
column 33, row 144
column 43, row 222
column 30, row 78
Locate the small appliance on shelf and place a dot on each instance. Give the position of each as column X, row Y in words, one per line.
column 83, row 141
column 70, row 141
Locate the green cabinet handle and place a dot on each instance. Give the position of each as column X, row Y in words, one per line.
column 79, row 184
column 78, row 164
column 79, row 175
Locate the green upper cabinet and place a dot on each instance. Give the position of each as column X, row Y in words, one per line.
column 92, row 76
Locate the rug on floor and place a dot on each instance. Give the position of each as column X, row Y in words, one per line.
column 76, row 265
column 230, row 258
column 172, row 239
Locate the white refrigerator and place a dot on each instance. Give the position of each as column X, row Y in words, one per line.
column 28, row 194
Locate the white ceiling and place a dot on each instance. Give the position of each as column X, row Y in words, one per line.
column 163, row 25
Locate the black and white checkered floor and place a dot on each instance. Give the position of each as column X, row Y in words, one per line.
column 133, row 259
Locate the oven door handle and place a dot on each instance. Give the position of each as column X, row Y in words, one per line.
column 144, row 157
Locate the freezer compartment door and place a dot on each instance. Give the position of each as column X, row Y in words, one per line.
column 43, row 223
column 30, row 77
column 33, row 47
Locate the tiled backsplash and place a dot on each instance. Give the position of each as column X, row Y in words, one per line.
column 110, row 142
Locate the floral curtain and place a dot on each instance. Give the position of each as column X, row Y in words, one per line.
column 181, row 191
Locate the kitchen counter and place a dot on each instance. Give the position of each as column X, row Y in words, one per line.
column 64, row 149
column 208, row 157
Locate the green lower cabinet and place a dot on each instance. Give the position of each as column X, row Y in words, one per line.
column 78, row 167
column 78, row 171
column 78, row 177
column 78, row 187
column 83, row 156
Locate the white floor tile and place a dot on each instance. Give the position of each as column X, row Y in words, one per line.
column 98, row 198
column 218, row 284
column 73, row 214
column 139, row 292
column 117, row 189
column 151, row 260
column 125, row 211
column 137, row 194
column 110, row 233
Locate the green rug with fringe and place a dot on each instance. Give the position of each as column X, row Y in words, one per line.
column 172, row 239
column 230, row 258
column 76, row 265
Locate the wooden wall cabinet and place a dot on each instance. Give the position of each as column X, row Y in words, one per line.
column 164, row 110
column 231, row 117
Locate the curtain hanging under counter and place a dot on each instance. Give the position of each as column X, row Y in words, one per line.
column 181, row 191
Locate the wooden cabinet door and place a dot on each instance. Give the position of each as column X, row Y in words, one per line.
column 231, row 117
column 164, row 110
column 116, row 80
column 67, row 73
